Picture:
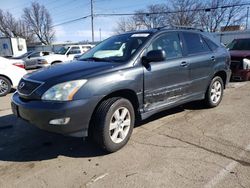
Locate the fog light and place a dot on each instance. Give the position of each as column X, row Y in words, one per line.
column 62, row 121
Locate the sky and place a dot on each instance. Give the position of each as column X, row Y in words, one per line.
column 65, row 10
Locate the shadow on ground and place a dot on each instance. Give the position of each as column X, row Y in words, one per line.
column 21, row 141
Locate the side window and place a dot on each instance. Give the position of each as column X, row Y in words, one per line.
column 74, row 50
column 37, row 54
column 194, row 43
column 168, row 42
column 211, row 44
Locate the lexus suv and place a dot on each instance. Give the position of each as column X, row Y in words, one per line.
column 102, row 94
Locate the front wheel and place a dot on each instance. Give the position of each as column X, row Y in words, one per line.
column 5, row 86
column 113, row 123
column 214, row 92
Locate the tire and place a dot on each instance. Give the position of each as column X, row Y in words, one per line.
column 113, row 136
column 214, row 92
column 5, row 86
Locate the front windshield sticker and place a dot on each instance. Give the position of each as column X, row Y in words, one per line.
column 140, row 35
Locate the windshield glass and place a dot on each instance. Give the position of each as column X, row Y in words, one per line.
column 240, row 44
column 118, row 48
column 62, row 50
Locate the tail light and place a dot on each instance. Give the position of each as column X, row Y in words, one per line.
column 19, row 65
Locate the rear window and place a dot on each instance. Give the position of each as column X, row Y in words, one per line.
column 194, row 43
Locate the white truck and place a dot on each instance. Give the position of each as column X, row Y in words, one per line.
column 12, row 47
column 66, row 53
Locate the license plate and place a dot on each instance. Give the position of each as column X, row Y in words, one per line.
column 14, row 109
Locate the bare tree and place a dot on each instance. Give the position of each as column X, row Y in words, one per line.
column 221, row 13
column 152, row 17
column 39, row 21
column 124, row 25
column 10, row 27
column 184, row 12
column 8, row 24
column 209, row 15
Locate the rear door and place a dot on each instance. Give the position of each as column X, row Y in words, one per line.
column 166, row 82
column 200, row 59
column 30, row 61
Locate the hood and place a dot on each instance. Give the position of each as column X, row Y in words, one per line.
column 70, row 71
column 240, row 53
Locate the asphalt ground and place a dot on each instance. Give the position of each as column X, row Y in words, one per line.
column 188, row 146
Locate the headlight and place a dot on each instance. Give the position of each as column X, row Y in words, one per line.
column 42, row 61
column 64, row 91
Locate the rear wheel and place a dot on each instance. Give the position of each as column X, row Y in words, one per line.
column 5, row 86
column 214, row 92
column 113, row 123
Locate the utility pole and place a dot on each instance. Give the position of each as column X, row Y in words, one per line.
column 247, row 17
column 100, row 32
column 92, row 21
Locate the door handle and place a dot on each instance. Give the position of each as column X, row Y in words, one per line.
column 213, row 58
column 184, row 64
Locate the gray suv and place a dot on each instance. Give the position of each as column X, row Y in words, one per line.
column 126, row 77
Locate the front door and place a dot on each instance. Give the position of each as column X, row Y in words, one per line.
column 166, row 82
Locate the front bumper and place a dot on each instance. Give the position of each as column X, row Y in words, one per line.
column 241, row 75
column 40, row 113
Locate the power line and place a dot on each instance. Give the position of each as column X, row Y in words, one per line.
column 152, row 13
column 172, row 12
column 71, row 21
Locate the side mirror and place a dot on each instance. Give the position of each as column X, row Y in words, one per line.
column 155, row 56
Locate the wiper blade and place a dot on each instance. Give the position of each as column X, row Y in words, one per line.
column 95, row 59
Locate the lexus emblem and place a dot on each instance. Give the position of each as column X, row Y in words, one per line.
column 21, row 85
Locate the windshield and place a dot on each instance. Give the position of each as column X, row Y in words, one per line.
column 118, row 48
column 62, row 50
column 240, row 44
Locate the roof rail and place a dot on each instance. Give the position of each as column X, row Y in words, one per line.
column 187, row 28
column 180, row 27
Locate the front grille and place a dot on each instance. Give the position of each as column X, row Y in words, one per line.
column 27, row 87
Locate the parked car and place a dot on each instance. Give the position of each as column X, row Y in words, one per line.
column 85, row 48
column 66, row 53
column 10, row 75
column 156, row 70
column 240, row 59
column 31, row 59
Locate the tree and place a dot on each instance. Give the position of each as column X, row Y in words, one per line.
column 10, row 27
column 208, row 15
column 144, row 19
column 219, row 14
column 39, row 22
column 184, row 12
column 124, row 25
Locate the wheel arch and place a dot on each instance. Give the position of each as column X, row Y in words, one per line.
column 223, row 76
column 123, row 93
column 56, row 61
column 7, row 78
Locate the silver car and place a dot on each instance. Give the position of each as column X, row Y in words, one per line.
column 31, row 58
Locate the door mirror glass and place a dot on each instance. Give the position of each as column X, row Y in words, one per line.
column 155, row 56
